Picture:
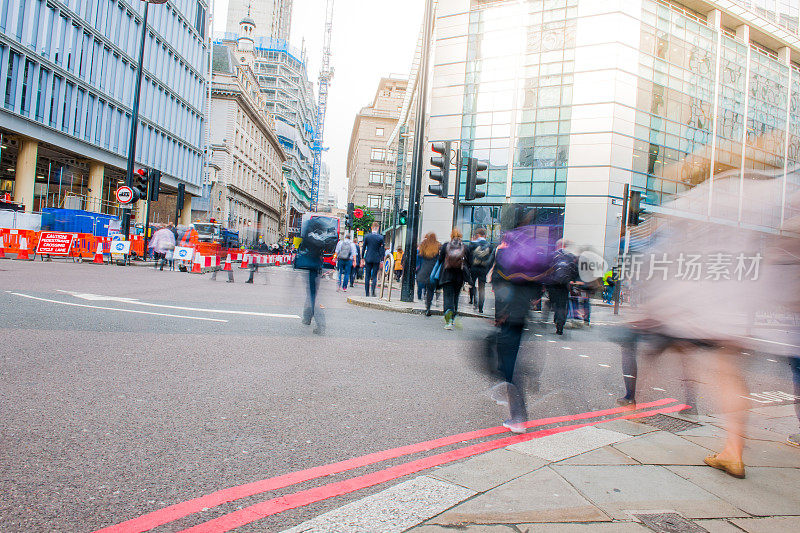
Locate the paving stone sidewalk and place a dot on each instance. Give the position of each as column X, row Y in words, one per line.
column 616, row 477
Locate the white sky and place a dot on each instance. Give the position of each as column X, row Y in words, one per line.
column 371, row 39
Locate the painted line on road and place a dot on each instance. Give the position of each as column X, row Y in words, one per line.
column 72, row 304
column 199, row 309
column 183, row 509
column 274, row 506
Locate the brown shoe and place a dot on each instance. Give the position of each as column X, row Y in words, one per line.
column 733, row 468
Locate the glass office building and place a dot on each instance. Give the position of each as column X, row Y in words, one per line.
column 68, row 75
column 570, row 100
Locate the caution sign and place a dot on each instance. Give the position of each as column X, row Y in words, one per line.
column 54, row 243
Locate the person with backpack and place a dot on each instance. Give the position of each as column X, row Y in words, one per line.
column 563, row 270
column 345, row 260
column 454, row 261
column 482, row 254
column 318, row 236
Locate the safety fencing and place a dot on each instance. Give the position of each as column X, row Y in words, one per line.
column 22, row 244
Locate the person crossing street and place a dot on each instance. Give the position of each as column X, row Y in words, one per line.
column 346, row 254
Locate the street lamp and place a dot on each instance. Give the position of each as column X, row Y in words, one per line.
column 126, row 213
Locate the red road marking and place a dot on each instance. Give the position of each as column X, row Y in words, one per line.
column 180, row 510
column 306, row 497
column 299, row 499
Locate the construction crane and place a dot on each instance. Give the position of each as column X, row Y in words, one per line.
column 325, row 75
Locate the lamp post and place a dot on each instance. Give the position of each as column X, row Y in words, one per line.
column 126, row 213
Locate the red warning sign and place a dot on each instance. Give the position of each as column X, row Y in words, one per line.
column 54, row 243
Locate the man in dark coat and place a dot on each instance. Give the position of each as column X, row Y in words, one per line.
column 482, row 259
column 373, row 252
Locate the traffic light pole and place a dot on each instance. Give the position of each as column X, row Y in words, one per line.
column 410, row 249
column 457, row 193
column 622, row 231
column 126, row 213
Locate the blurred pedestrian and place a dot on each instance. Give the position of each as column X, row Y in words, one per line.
column 794, row 362
column 482, row 259
column 609, row 280
column 162, row 241
column 520, row 260
column 562, row 271
column 398, row 264
column 345, row 261
column 319, row 235
column 454, row 258
column 428, row 254
column 373, row 255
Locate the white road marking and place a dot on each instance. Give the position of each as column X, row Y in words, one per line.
column 659, row 389
column 551, row 341
column 115, row 308
column 603, row 365
column 134, row 301
column 627, row 376
column 566, row 347
column 772, row 360
column 581, row 355
column 538, row 334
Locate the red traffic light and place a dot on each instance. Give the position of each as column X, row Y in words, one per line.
column 142, row 172
column 358, row 213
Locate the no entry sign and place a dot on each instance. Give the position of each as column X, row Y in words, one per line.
column 54, row 243
column 358, row 213
column 124, row 194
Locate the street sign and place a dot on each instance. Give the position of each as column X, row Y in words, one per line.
column 183, row 253
column 358, row 213
column 124, row 194
column 54, row 243
column 120, row 247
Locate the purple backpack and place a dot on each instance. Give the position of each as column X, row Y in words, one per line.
column 521, row 257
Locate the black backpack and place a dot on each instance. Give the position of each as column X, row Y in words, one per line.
column 481, row 255
column 454, row 255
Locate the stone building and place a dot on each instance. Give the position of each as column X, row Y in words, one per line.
column 246, row 156
column 371, row 163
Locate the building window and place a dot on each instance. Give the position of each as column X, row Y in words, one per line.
column 374, row 201
column 375, row 177
column 378, row 154
column 379, row 132
column 11, row 79
column 40, row 93
column 27, row 86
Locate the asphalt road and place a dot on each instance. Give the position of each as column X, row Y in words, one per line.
column 120, row 397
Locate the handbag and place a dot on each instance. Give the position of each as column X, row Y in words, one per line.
column 437, row 270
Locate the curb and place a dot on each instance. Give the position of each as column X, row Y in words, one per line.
column 407, row 309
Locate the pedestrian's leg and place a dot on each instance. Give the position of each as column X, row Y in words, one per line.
column 347, row 266
column 508, row 342
column 214, row 275
column 429, row 290
column 374, row 277
column 230, row 276
column 481, row 294
column 733, row 392
column 311, row 296
column 629, row 366
column 456, row 297
column 472, row 295
column 559, row 297
column 318, row 314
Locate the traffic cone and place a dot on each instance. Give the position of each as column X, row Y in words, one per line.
column 23, row 255
column 196, row 264
column 2, row 248
column 98, row 255
column 245, row 261
column 228, row 263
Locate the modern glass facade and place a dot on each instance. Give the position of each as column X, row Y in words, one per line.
column 68, row 72
column 570, row 100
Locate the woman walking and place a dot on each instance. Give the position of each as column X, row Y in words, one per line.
column 453, row 260
column 398, row 264
column 428, row 253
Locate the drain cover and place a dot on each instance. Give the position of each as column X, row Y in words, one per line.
column 668, row 423
column 669, row 523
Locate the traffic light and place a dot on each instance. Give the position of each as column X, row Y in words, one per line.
column 403, row 217
column 155, row 184
column 140, row 181
column 442, row 175
column 635, row 208
column 473, row 180
column 348, row 221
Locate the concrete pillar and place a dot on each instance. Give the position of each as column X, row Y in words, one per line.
column 785, row 55
column 186, row 211
column 96, row 175
column 25, row 174
column 714, row 18
column 743, row 33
